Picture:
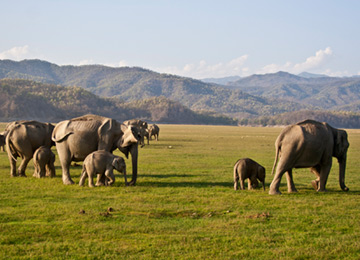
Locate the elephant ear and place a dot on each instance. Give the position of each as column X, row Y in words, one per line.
column 115, row 163
column 106, row 134
column 341, row 144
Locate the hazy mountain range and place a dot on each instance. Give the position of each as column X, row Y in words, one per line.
column 253, row 96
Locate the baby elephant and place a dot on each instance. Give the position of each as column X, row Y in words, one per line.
column 44, row 160
column 247, row 168
column 102, row 163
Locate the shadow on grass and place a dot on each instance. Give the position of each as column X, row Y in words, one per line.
column 164, row 176
column 186, row 184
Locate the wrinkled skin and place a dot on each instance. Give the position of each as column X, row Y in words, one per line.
column 22, row 139
column 44, row 160
column 309, row 144
column 154, row 130
column 77, row 138
column 102, row 163
column 141, row 126
column 248, row 169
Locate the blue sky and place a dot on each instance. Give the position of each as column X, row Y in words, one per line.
column 193, row 38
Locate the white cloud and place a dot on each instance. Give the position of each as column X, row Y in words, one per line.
column 15, row 53
column 311, row 63
column 204, row 70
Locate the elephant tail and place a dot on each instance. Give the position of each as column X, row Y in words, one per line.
column 276, row 159
column 61, row 131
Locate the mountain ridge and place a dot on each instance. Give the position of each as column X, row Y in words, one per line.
column 252, row 96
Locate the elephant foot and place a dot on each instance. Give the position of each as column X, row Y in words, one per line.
column 293, row 191
column 274, row 192
column 345, row 189
column 68, row 181
column 22, row 175
column 13, row 175
column 324, row 190
column 314, row 183
column 131, row 183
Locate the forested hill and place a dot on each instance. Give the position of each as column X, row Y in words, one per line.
column 132, row 84
column 254, row 97
column 25, row 99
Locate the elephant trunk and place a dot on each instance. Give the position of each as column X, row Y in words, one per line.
column 134, row 160
column 263, row 184
column 342, row 167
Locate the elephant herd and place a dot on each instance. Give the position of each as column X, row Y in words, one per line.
column 93, row 138
column 75, row 139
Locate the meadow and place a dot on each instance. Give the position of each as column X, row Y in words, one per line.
column 184, row 206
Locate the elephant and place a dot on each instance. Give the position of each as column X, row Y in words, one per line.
column 102, row 163
column 78, row 137
column 154, row 130
column 141, row 126
column 22, row 139
column 2, row 141
column 309, row 144
column 247, row 168
column 44, row 160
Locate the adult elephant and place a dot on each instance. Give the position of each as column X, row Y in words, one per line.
column 22, row 139
column 141, row 126
column 309, row 144
column 78, row 137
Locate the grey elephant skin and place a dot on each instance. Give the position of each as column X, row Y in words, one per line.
column 44, row 160
column 153, row 130
column 309, row 144
column 141, row 126
column 22, row 139
column 77, row 138
column 247, row 168
column 102, row 163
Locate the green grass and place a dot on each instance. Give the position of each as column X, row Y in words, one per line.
column 184, row 206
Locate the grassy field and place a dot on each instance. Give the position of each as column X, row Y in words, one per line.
column 184, row 206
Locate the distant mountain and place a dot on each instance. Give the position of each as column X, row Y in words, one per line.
column 248, row 97
column 25, row 99
column 311, row 75
column 221, row 81
column 325, row 92
column 132, row 84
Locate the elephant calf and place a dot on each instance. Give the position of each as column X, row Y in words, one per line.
column 102, row 163
column 44, row 160
column 153, row 130
column 248, row 169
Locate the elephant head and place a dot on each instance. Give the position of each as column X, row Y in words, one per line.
column 119, row 164
column 341, row 145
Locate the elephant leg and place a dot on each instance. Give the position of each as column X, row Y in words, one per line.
column 91, row 181
column 290, row 182
column 42, row 171
column 324, row 174
column 12, row 161
column 23, row 165
column 253, row 183
column 65, row 165
column 242, row 184
column 101, row 180
column 83, row 177
column 236, row 180
column 316, row 170
column 110, row 177
column 275, row 184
